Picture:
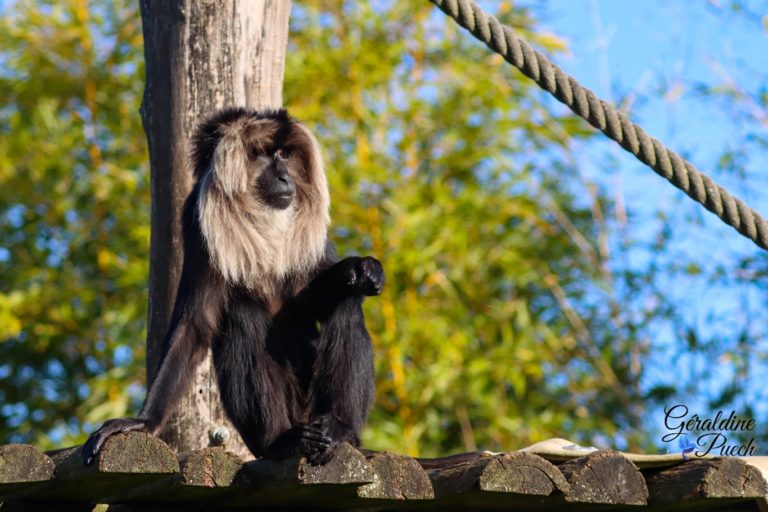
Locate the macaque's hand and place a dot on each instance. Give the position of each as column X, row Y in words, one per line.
column 365, row 275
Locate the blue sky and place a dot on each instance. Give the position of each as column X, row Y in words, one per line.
column 621, row 49
column 629, row 51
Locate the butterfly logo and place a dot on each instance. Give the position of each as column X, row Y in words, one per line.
column 686, row 446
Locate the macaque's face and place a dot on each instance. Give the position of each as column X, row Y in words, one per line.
column 262, row 197
column 274, row 185
column 276, row 155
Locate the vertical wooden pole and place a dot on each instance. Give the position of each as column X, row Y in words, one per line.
column 201, row 56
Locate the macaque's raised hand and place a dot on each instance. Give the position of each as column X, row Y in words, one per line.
column 365, row 275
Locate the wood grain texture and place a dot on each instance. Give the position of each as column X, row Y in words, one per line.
column 705, row 479
column 605, row 476
column 139, row 472
column 125, row 462
column 294, row 482
column 22, row 469
column 513, row 472
column 205, row 476
column 396, row 477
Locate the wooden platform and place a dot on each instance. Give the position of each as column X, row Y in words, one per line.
column 139, row 472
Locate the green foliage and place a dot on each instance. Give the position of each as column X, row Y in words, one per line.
column 74, row 206
column 493, row 330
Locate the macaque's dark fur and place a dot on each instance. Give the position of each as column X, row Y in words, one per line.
column 293, row 358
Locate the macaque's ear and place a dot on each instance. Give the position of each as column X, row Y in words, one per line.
column 229, row 164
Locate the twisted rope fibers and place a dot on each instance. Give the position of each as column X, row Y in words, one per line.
column 606, row 118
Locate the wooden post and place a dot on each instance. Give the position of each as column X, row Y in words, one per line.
column 201, row 55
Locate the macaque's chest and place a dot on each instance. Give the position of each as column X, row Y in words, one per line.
column 273, row 306
column 293, row 339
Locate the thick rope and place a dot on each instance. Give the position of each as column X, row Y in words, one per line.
column 585, row 103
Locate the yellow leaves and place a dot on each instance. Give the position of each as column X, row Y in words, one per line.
column 104, row 257
column 75, row 221
column 42, row 330
column 551, row 42
column 10, row 324
column 106, row 399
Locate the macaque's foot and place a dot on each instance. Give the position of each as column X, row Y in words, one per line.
column 109, row 428
column 313, row 440
column 336, row 432
column 321, row 458
column 366, row 276
column 306, row 439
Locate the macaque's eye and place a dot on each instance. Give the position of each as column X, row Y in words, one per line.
column 284, row 153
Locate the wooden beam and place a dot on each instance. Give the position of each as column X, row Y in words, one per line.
column 514, row 479
column 293, row 481
column 209, row 468
column 141, row 473
column 397, row 477
column 709, row 480
column 214, row 475
column 126, row 461
column 513, row 472
column 205, row 475
column 22, row 469
column 605, row 476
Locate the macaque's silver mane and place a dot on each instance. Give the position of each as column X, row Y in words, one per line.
column 248, row 242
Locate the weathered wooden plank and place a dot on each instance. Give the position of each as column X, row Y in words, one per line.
column 209, row 468
column 348, row 466
column 205, row 476
column 711, row 483
column 215, row 476
column 514, row 479
column 454, row 460
column 513, row 472
column 140, row 471
column 295, row 482
column 22, row 469
column 397, row 477
column 605, row 476
column 125, row 462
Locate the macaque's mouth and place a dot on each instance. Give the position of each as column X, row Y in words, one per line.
column 280, row 201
